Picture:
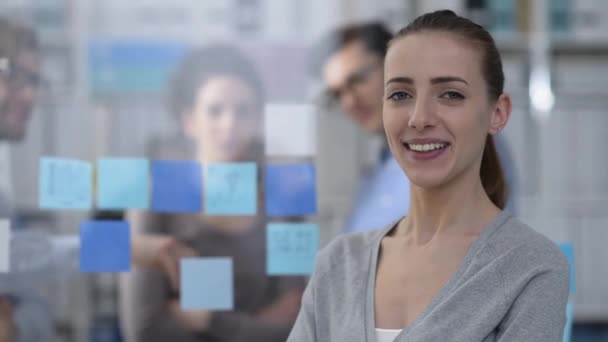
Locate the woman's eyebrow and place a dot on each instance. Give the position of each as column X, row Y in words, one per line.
column 401, row 79
column 435, row 80
column 446, row 79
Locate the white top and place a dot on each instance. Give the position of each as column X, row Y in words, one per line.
column 387, row 335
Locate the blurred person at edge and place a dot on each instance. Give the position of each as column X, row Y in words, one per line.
column 24, row 315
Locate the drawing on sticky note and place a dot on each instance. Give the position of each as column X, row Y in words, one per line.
column 291, row 248
column 231, row 189
column 65, row 184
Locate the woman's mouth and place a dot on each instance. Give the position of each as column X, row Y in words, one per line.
column 426, row 151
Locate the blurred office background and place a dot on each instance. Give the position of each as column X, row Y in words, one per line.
column 106, row 64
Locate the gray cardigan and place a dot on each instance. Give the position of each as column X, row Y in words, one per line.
column 511, row 286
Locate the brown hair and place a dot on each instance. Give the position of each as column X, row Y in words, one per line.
column 15, row 37
column 207, row 62
column 491, row 172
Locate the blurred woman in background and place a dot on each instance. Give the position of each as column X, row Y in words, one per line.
column 218, row 98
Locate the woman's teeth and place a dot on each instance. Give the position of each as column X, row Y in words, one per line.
column 426, row 147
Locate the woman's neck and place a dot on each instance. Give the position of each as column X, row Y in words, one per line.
column 460, row 207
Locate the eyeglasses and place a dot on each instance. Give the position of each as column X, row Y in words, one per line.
column 18, row 77
column 332, row 97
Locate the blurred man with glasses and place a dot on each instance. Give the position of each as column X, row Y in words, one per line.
column 350, row 61
column 24, row 316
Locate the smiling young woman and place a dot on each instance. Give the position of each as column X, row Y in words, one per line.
column 458, row 267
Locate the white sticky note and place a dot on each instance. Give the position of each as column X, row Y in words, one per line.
column 291, row 130
column 4, row 65
column 5, row 240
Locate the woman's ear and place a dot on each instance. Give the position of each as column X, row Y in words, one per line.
column 501, row 114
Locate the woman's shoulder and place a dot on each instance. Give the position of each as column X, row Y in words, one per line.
column 520, row 246
column 349, row 250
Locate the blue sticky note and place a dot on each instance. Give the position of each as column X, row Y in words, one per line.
column 231, row 189
column 176, row 186
column 105, row 246
column 206, row 284
column 569, row 321
column 291, row 190
column 123, row 183
column 291, row 248
column 569, row 252
column 65, row 184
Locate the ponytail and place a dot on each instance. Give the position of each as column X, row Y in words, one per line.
column 492, row 175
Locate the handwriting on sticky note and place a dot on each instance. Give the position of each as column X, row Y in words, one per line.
column 291, row 248
column 231, row 189
column 65, row 184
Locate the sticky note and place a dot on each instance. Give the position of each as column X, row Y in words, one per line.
column 65, row 184
column 569, row 321
column 31, row 251
column 123, row 183
column 177, row 186
column 569, row 252
column 5, row 242
column 105, row 246
column 290, row 190
column 206, row 284
column 291, row 248
column 231, row 189
column 290, row 130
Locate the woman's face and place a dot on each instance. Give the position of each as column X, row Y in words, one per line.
column 437, row 112
column 225, row 120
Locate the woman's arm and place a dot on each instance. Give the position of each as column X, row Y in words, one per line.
column 272, row 323
column 538, row 314
column 145, row 295
column 232, row 326
column 304, row 329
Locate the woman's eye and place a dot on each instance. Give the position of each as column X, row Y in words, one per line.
column 214, row 111
column 453, row 95
column 398, row 96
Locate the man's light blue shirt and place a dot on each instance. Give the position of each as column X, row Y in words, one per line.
column 383, row 197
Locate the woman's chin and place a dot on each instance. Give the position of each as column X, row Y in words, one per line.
column 429, row 180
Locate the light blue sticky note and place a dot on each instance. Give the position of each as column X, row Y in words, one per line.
column 105, row 246
column 123, row 183
column 65, row 184
column 291, row 190
column 206, row 284
column 569, row 321
column 291, row 248
column 231, row 189
column 568, row 250
column 177, row 186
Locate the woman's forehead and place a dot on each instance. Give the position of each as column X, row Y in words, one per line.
column 433, row 54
